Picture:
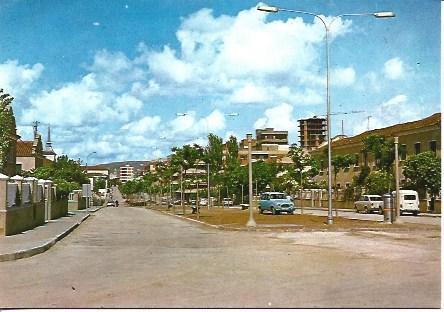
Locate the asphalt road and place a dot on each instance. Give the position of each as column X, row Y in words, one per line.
column 374, row 216
column 133, row 257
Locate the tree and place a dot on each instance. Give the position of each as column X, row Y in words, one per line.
column 100, row 183
column 64, row 172
column 304, row 166
column 383, row 151
column 7, row 128
column 341, row 162
column 214, row 152
column 423, row 173
column 379, row 182
column 233, row 150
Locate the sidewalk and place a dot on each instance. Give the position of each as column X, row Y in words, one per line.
column 41, row 238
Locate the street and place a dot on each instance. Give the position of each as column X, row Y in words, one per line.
column 134, row 257
column 420, row 219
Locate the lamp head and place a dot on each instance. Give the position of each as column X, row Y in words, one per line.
column 267, row 8
column 387, row 14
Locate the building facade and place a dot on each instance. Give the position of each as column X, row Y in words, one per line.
column 312, row 132
column 126, row 173
column 29, row 154
column 269, row 146
column 414, row 137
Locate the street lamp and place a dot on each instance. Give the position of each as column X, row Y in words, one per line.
column 251, row 222
column 86, row 171
column 273, row 9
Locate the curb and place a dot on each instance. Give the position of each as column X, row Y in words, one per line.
column 424, row 214
column 42, row 248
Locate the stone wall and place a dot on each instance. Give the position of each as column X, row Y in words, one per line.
column 27, row 203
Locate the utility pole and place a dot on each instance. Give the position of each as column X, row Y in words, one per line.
column 397, row 220
column 251, row 223
column 181, row 190
column 208, row 186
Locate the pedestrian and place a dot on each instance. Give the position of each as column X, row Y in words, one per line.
column 117, row 203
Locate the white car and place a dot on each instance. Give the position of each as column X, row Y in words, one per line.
column 227, row 202
column 370, row 203
column 409, row 201
column 203, row 202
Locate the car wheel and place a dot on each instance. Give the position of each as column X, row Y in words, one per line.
column 273, row 211
column 356, row 209
column 415, row 213
column 291, row 212
column 381, row 211
column 365, row 209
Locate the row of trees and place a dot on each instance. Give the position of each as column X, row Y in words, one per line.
column 228, row 177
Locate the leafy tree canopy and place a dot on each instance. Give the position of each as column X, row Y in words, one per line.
column 7, row 128
column 423, row 173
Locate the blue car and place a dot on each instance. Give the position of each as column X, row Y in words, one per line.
column 276, row 203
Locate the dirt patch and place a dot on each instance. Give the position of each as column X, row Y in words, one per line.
column 230, row 218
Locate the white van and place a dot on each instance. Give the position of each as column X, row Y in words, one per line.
column 409, row 201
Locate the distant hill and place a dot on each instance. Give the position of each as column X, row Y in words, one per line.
column 138, row 165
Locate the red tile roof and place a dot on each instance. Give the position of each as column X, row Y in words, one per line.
column 392, row 130
column 24, row 148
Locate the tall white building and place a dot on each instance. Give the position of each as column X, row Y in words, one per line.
column 126, row 173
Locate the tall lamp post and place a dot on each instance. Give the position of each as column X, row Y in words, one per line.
column 86, row 171
column 251, row 222
column 273, row 9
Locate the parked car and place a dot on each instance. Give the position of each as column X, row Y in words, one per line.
column 203, row 202
column 275, row 202
column 193, row 202
column 370, row 203
column 111, row 204
column 408, row 201
column 227, row 202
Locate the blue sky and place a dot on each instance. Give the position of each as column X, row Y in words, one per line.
column 111, row 76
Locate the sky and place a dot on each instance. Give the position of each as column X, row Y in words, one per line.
column 130, row 79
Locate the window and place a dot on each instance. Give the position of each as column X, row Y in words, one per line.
column 403, row 152
column 347, row 185
column 417, row 148
column 433, row 147
column 409, row 197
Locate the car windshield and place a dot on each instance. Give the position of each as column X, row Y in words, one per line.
column 278, row 196
column 375, row 198
column 410, row 197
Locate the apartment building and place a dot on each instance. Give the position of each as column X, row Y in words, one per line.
column 312, row 132
column 126, row 173
column 269, row 145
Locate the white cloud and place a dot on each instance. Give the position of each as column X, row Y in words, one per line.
column 188, row 126
column 241, row 59
column 143, row 126
column 279, row 117
column 15, row 78
column 245, row 58
column 393, row 111
column 343, row 76
column 394, row 69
